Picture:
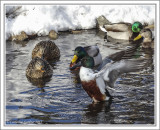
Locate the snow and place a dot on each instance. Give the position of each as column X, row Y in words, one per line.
column 43, row 18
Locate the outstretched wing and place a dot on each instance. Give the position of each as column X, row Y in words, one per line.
column 125, row 54
column 113, row 71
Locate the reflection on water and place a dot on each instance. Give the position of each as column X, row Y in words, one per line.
column 98, row 113
column 60, row 99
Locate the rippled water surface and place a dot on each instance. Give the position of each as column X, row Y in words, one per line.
column 62, row 100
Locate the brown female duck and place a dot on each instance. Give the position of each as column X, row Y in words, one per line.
column 46, row 50
column 39, row 68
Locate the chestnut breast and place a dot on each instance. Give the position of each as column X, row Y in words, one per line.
column 93, row 91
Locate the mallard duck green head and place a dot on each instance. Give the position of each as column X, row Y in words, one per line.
column 146, row 34
column 137, row 27
column 79, row 53
column 88, row 62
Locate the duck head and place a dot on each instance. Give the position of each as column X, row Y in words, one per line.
column 88, row 62
column 39, row 52
column 137, row 27
column 39, row 66
column 146, row 34
column 79, row 53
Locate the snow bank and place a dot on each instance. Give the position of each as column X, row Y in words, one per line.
column 42, row 19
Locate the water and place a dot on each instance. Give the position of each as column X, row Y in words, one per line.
column 61, row 98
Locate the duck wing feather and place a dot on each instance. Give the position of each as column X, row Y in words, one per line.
column 125, row 54
column 113, row 70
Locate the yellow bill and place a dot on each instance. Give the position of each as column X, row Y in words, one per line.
column 74, row 59
column 138, row 37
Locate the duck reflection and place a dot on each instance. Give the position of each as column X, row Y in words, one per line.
column 40, row 83
column 23, row 43
column 96, row 112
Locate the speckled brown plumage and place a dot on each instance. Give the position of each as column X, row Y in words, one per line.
column 93, row 91
column 46, row 50
column 34, row 68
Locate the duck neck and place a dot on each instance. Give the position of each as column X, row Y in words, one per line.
column 134, row 34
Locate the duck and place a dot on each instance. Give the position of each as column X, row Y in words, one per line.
column 96, row 83
column 122, row 31
column 146, row 35
column 38, row 68
column 47, row 50
column 81, row 52
column 94, row 52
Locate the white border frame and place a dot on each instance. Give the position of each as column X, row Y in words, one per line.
column 80, row 126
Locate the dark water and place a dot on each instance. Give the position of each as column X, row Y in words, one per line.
column 62, row 100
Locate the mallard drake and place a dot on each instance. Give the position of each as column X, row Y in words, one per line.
column 46, row 50
column 148, row 41
column 123, row 31
column 94, row 52
column 39, row 68
column 95, row 83
column 81, row 52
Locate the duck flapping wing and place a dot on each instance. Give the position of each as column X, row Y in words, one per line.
column 113, row 70
column 125, row 54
